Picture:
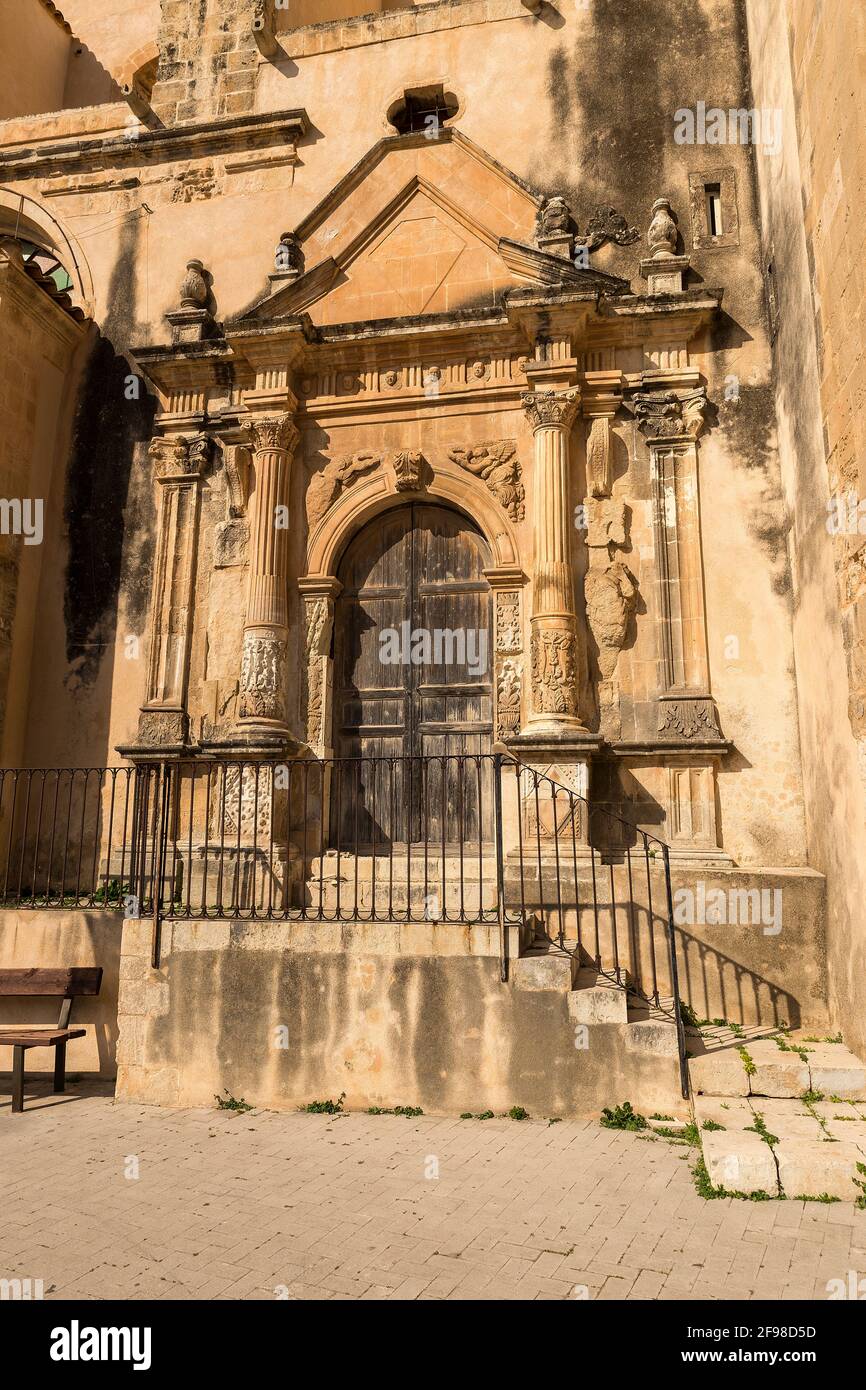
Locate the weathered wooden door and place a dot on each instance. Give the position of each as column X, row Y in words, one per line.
column 413, row 683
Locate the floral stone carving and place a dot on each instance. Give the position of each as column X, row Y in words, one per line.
column 262, row 694
column 554, row 671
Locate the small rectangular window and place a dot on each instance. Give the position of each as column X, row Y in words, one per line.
column 713, row 195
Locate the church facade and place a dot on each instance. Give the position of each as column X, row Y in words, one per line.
column 408, row 396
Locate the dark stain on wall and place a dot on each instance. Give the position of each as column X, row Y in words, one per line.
column 101, row 513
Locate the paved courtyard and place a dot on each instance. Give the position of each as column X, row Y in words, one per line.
column 266, row 1205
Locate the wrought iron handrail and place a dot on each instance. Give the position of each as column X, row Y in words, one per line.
column 476, row 839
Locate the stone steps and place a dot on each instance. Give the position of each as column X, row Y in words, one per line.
column 759, row 1067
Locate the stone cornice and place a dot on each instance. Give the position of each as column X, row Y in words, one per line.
column 163, row 145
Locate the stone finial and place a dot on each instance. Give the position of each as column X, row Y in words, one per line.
column 554, row 228
column 192, row 322
column 664, row 269
column 288, row 261
column 193, row 288
column 662, row 234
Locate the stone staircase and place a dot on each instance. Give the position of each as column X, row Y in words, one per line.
column 782, row 1114
column 608, row 1016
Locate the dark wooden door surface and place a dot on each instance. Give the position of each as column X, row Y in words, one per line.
column 413, row 682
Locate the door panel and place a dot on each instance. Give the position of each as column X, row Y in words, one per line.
column 417, row 571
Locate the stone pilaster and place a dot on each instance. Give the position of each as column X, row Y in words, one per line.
column 554, row 645
column 177, row 470
column 671, row 422
column 262, row 702
column 319, row 596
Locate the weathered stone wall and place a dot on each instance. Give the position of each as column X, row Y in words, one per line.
column 48, row 940
column 208, row 60
column 281, row 1014
column 804, row 61
column 36, row 374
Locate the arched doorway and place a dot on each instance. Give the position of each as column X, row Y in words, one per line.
column 413, row 681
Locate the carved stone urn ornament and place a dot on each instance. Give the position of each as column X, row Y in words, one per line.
column 662, row 234
column 554, row 229
column 193, row 289
column 288, row 258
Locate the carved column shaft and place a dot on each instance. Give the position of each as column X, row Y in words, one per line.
column 265, row 648
column 554, row 642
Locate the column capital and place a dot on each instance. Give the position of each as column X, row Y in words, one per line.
column 179, row 458
column 269, row 432
column 552, row 409
column 670, row 416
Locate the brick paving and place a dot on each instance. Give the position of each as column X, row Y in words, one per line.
column 265, row 1205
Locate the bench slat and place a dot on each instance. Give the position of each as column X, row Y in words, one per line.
column 69, row 983
column 39, row 1037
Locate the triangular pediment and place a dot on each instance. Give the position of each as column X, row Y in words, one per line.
column 419, row 227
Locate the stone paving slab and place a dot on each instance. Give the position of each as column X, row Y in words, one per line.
column 264, row 1205
column 813, row 1153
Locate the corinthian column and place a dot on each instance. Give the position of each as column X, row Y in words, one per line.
column 555, row 650
column 262, row 705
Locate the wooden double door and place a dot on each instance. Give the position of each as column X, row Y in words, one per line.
column 413, row 682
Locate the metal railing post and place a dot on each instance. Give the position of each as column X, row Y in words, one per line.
column 500, row 866
column 675, row 984
column 164, row 779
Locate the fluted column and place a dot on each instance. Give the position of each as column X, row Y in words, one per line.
column 262, row 703
column 555, row 649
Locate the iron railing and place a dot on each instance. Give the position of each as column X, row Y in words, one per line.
column 465, row 839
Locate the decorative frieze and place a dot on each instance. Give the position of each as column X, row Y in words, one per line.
column 499, row 467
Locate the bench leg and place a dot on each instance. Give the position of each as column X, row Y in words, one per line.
column 59, row 1068
column 17, row 1080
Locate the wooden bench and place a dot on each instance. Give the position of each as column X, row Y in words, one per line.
column 68, row 985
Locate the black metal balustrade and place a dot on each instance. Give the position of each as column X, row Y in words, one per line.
column 467, row 839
